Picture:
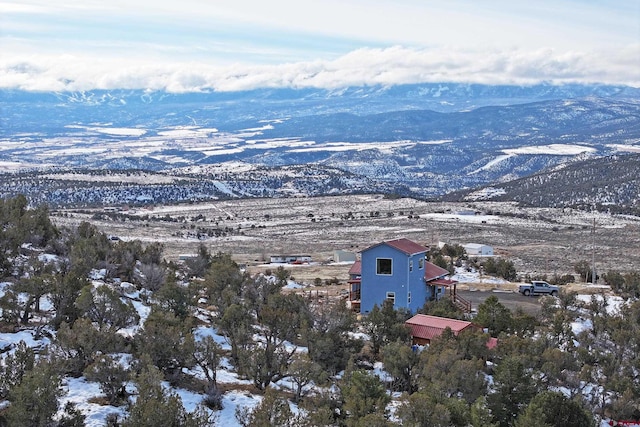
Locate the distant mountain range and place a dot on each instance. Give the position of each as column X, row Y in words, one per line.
column 418, row 140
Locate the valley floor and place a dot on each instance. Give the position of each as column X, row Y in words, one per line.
column 538, row 241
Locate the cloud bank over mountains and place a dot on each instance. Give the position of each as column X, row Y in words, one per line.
column 366, row 66
column 198, row 45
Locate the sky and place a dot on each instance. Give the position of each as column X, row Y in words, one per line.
column 201, row 45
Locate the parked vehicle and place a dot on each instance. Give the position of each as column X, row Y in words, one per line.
column 538, row 287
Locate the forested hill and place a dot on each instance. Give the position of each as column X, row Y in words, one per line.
column 608, row 183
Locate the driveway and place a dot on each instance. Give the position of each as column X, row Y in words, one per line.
column 511, row 300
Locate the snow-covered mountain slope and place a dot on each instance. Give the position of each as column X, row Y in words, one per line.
column 422, row 140
column 610, row 184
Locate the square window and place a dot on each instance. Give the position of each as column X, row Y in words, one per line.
column 391, row 296
column 383, row 266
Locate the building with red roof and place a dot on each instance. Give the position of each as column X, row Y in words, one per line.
column 425, row 328
column 396, row 270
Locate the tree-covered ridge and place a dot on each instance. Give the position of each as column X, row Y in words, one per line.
column 609, row 184
column 117, row 314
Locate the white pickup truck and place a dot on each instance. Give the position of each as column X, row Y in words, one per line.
column 538, row 287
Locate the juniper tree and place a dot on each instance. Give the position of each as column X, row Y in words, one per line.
column 34, row 401
column 106, row 308
column 208, row 356
column 14, row 366
column 167, row 340
column 281, row 321
column 111, row 375
column 273, row 410
column 363, row 394
column 157, row 406
column 329, row 338
column 554, row 409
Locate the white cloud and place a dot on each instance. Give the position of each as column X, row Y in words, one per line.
column 201, row 45
column 394, row 65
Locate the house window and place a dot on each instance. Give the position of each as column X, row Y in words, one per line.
column 408, row 297
column 410, row 265
column 383, row 266
column 421, row 263
column 391, row 296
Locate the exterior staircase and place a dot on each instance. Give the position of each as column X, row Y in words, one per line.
column 463, row 304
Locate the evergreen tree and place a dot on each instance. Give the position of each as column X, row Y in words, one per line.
column 400, row 361
column 494, row 316
column 156, row 406
column 385, row 325
column 75, row 347
column 235, row 324
column 167, row 340
column 554, row 409
column 514, row 389
column 420, row 409
column 106, row 308
column 208, row 355
column 112, row 377
column 302, row 372
column 281, row 321
column 480, row 414
column 329, row 340
column 14, row 366
column 71, row 417
column 34, row 402
column 273, row 410
column 363, row 394
column 175, row 298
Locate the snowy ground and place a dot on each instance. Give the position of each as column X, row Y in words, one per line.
column 80, row 391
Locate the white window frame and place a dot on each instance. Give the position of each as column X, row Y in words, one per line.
column 391, row 296
column 408, row 297
column 421, row 263
column 410, row 265
column 390, row 273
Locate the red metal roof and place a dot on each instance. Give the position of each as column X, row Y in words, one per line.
column 356, row 268
column 432, row 271
column 429, row 327
column 403, row 245
column 443, row 282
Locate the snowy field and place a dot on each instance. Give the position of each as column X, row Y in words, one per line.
column 537, row 240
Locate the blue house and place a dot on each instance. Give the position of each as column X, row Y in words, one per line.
column 396, row 270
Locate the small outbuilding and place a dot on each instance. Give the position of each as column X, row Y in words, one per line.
column 477, row 249
column 424, row 328
column 344, row 256
column 289, row 259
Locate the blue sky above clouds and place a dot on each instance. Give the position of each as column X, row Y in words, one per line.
column 192, row 45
